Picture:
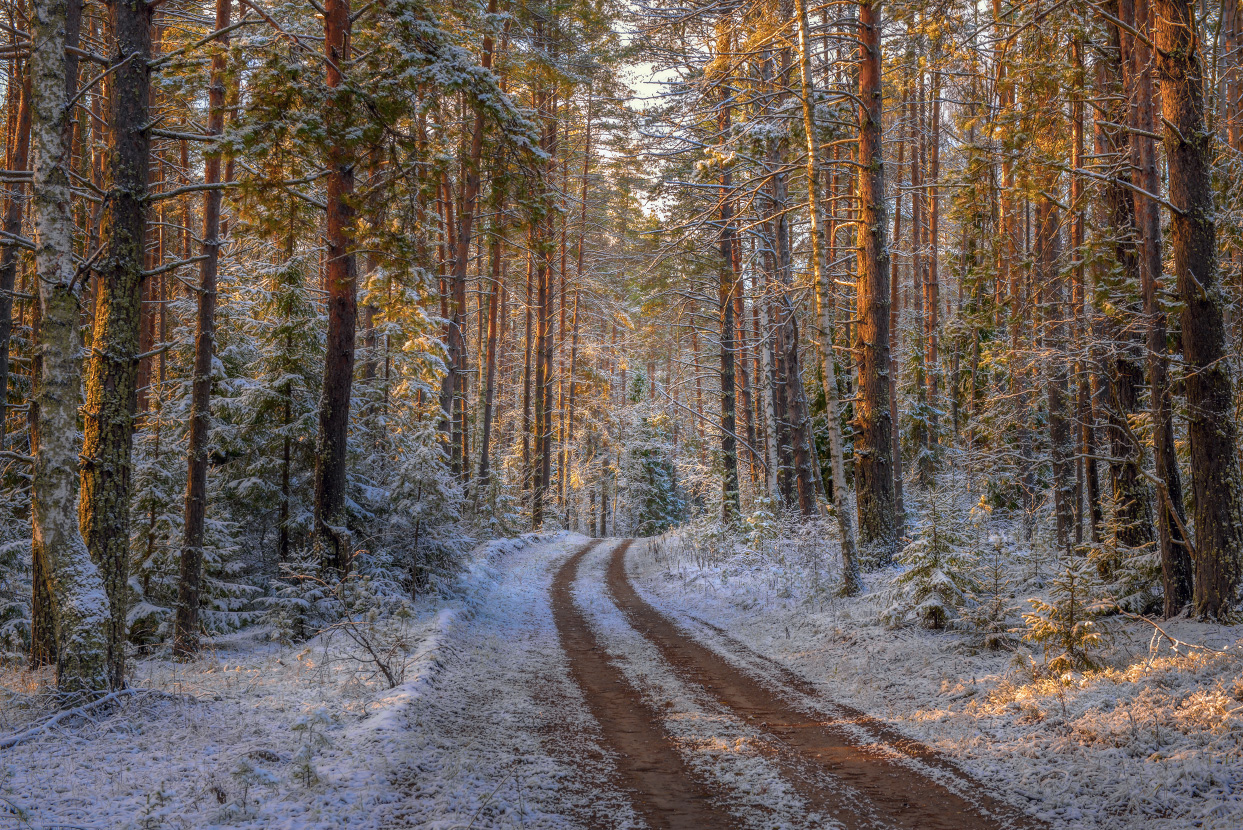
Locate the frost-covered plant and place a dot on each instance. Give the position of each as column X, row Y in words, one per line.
column 248, row 775
column 939, row 579
column 647, row 482
column 989, row 614
column 1064, row 625
column 15, row 589
column 301, row 603
column 273, row 414
column 763, row 523
column 1131, row 576
column 311, row 727
column 426, row 505
column 376, row 619
column 155, row 548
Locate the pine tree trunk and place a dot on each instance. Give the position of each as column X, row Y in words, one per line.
column 874, row 444
column 1176, row 564
column 730, row 508
column 895, row 309
column 529, row 345
column 111, row 383
column 489, row 391
column 75, row 583
column 932, row 283
column 772, row 454
column 1057, row 384
column 568, row 437
column 1077, row 272
column 19, row 159
column 1215, row 479
column 186, row 630
column 825, row 311
column 1125, row 375
column 331, row 534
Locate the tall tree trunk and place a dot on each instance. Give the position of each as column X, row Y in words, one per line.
column 1176, row 564
column 874, row 445
column 1057, row 384
column 1215, row 478
column 730, row 508
column 331, row 535
column 111, row 382
column 932, row 282
column 494, row 302
column 826, row 310
column 568, row 437
column 453, row 389
column 186, row 630
column 895, row 309
column 545, row 304
column 19, row 160
column 1125, row 374
column 75, row 583
column 528, row 339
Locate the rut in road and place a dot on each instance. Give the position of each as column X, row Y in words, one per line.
column 665, row 793
column 856, row 784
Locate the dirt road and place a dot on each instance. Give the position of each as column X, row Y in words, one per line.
column 843, row 768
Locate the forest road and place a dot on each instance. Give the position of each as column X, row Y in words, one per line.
column 841, row 763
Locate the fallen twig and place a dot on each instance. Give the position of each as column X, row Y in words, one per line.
column 35, row 731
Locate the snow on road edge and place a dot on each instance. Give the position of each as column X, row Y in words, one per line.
column 462, row 600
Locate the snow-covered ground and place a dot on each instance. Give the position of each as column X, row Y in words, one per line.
column 1152, row 741
column 489, row 730
column 255, row 734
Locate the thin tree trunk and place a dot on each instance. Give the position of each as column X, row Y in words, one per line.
column 19, row 159
column 1049, row 254
column 932, row 284
column 186, row 630
column 529, row 342
column 568, row 438
column 826, row 311
column 545, row 304
column 1176, row 563
column 489, row 392
column 1125, row 374
column 895, row 308
column 730, row 508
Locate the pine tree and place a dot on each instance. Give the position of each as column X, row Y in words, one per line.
column 939, row 579
column 1064, row 625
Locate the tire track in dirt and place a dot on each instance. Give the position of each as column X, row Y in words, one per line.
column 665, row 792
column 896, row 796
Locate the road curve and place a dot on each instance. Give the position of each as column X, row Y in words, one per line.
column 817, row 755
column 662, row 788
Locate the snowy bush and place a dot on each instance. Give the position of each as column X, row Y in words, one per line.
column 1064, row 625
column 938, row 581
column 647, row 482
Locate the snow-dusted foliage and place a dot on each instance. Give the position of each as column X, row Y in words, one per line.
column 939, row 579
column 648, row 494
column 1065, row 626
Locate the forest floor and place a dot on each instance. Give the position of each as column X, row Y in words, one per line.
column 563, row 682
